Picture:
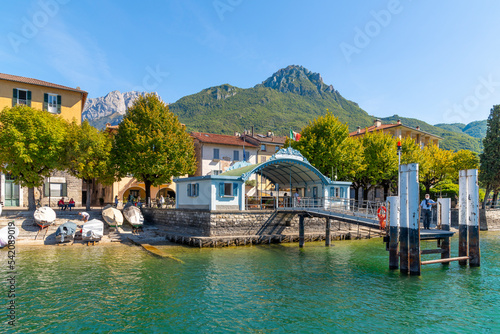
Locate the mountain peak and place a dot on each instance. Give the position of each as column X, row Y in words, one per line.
column 297, row 79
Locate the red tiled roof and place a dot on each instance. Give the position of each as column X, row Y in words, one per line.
column 37, row 82
column 212, row 138
column 373, row 128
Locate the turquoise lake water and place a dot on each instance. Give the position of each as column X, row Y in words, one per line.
column 258, row 289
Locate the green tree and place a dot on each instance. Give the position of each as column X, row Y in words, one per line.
column 435, row 167
column 152, row 145
column 32, row 147
column 381, row 161
column 322, row 142
column 463, row 159
column 411, row 153
column 490, row 158
column 88, row 153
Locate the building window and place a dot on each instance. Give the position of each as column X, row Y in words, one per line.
column 21, row 96
column 52, row 103
column 217, row 172
column 228, row 189
column 216, row 154
column 263, row 147
column 236, row 155
column 55, row 190
column 193, row 189
column 263, row 159
column 246, row 155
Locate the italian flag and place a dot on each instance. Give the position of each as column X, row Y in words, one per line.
column 294, row 135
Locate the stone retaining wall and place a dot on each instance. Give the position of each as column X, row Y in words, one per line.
column 488, row 219
column 232, row 223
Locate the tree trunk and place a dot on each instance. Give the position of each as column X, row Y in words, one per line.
column 87, row 205
column 147, row 184
column 31, row 199
column 494, row 199
column 486, row 195
column 365, row 193
column 386, row 190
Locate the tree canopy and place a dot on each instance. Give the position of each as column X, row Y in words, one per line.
column 88, row 153
column 490, row 158
column 325, row 142
column 31, row 144
column 152, row 145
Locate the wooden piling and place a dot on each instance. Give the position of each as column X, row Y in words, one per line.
column 462, row 218
column 328, row 232
column 414, row 232
column 473, row 218
column 393, row 220
column 445, row 218
column 301, row 231
column 403, row 221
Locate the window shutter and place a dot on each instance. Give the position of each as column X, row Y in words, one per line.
column 58, row 104
column 64, row 190
column 189, row 189
column 197, row 187
column 28, row 99
column 46, row 189
column 14, row 97
column 332, row 192
column 235, row 189
column 45, row 101
column 221, row 189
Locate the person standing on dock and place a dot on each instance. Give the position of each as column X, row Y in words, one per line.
column 426, row 206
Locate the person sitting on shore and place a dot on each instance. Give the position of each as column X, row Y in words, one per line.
column 85, row 216
column 61, row 204
column 71, row 204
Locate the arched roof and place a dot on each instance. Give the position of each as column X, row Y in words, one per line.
column 287, row 166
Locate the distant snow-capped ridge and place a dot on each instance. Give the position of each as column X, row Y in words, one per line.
column 110, row 108
column 113, row 102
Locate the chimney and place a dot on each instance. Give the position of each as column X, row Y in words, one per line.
column 269, row 134
column 399, row 121
column 377, row 123
column 359, row 130
column 252, row 130
column 237, row 134
column 418, row 127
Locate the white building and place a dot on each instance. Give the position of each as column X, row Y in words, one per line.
column 216, row 153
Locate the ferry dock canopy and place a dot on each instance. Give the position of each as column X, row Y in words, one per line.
column 276, row 181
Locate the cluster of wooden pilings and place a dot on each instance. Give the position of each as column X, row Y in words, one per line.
column 404, row 234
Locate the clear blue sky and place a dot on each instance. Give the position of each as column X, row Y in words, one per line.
column 433, row 60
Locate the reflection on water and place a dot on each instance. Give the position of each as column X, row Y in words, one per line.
column 275, row 288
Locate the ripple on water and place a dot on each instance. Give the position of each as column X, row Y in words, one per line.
column 275, row 288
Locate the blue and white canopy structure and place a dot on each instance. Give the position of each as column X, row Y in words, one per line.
column 286, row 169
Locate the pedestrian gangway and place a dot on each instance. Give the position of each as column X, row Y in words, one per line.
column 364, row 213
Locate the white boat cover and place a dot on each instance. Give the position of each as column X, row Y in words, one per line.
column 112, row 216
column 92, row 230
column 44, row 215
column 133, row 215
column 4, row 235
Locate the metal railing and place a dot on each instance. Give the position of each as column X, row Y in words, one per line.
column 361, row 208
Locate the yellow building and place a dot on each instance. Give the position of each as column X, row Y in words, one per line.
column 66, row 101
column 400, row 131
